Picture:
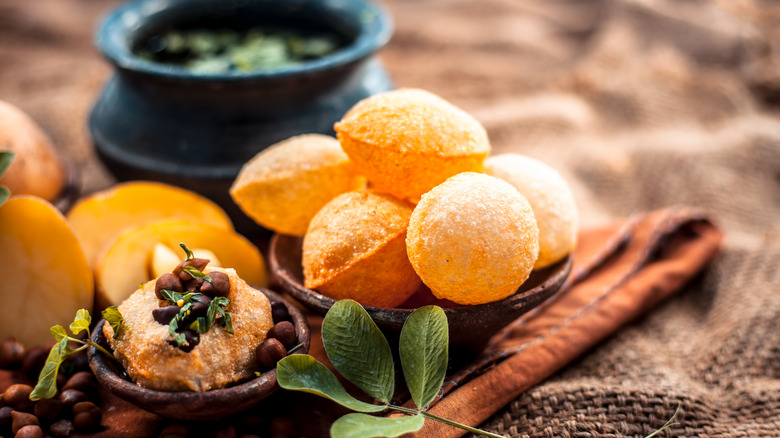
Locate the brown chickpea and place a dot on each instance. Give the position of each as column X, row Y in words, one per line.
column 18, row 397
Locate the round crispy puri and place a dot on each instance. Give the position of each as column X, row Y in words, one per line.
column 356, row 248
column 473, row 239
column 219, row 358
column 408, row 141
column 284, row 186
column 551, row 200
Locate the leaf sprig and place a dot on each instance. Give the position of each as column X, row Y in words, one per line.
column 216, row 314
column 47, row 380
column 191, row 269
column 6, row 157
column 359, row 351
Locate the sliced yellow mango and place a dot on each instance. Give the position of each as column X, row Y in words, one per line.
column 102, row 217
column 45, row 275
column 124, row 266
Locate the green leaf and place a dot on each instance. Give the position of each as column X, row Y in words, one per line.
column 59, row 332
column 6, row 158
column 368, row 426
column 81, row 322
column 47, row 381
column 301, row 372
column 228, row 321
column 196, row 273
column 174, row 297
column 424, row 348
column 187, row 251
column 114, row 319
column 358, row 350
column 4, row 194
column 179, row 321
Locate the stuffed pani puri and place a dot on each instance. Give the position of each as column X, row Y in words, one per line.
column 284, row 186
column 191, row 359
column 550, row 198
column 408, row 141
column 355, row 248
column 473, row 239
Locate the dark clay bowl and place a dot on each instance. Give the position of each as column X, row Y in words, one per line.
column 470, row 326
column 196, row 130
column 186, row 405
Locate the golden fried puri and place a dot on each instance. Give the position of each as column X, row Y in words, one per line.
column 355, row 248
column 284, row 186
column 550, row 198
column 219, row 358
column 473, row 239
column 407, row 141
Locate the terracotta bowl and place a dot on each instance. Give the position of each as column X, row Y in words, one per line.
column 187, row 405
column 470, row 326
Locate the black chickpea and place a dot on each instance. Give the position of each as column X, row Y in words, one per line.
column 70, row 397
column 269, row 352
column 285, row 332
column 168, row 282
column 21, row 419
column 11, row 353
column 201, row 305
column 48, row 409
column 193, row 285
column 18, row 397
column 219, row 286
column 196, row 263
column 5, row 417
column 33, row 362
column 83, row 381
column 279, row 312
column 61, row 427
column 31, row 431
column 86, row 414
column 164, row 315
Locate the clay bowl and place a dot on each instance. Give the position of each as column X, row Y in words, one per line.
column 70, row 189
column 471, row 327
column 186, row 405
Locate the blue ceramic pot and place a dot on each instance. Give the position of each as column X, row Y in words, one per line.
column 166, row 123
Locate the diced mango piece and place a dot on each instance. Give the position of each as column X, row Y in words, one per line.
column 164, row 259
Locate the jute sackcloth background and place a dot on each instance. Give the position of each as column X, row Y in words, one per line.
column 640, row 104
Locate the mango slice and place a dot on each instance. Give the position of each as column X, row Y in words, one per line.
column 101, row 218
column 45, row 275
column 124, row 266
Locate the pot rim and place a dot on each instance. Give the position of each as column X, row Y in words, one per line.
column 113, row 39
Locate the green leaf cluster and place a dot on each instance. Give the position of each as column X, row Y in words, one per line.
column 191, row 269
column 114, row 319
column 196, row 273
column 211, row 51
column 187, row 251
column 47, row 380
column 6, row 157
column 216, row 314
column 360, row 352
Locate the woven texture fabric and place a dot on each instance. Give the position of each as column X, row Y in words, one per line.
column 640, row 104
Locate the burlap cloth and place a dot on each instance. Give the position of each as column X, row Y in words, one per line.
column 641, row 104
